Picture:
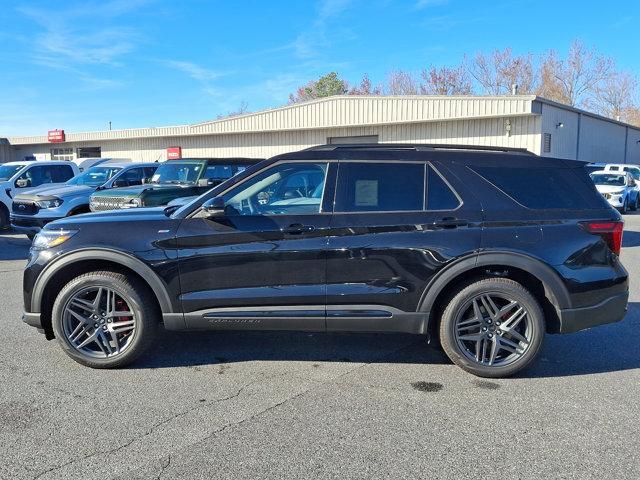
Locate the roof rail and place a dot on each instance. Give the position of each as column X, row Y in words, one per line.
column 419, row 147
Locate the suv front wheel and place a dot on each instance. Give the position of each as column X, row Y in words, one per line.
column 104, row 319
column 493, row 327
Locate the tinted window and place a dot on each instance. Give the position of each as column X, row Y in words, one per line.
column 286, row 189
column 42, row 174
column 439, row 194
column 380, row 187
column 133, row 176
column 219, row 172
column 61, row 173
column 539, row 188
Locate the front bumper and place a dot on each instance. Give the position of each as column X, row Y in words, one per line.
column 610, row 310
column 616, row 201
column 27, row 224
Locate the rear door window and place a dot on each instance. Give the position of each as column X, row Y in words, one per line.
column 380, row 187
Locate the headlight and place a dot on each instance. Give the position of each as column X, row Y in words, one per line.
column 133, row 203
column 53, row 203
column 51, row 238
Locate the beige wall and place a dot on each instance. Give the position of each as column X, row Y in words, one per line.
column 263, row 145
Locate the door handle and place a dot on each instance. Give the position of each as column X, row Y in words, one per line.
column 298, row 228
column 450, row 222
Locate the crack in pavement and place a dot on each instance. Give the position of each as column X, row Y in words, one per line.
column 298, row 395
column 148, row 432
column 153, row 428
column 164, row 464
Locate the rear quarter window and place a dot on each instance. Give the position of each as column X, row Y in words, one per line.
column 543, row 187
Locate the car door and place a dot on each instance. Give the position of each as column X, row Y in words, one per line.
column 261, row 265
column 395, row 224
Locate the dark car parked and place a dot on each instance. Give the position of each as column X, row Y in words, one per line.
column 484, row 250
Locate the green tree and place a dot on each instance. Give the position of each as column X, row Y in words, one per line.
column 326, row 86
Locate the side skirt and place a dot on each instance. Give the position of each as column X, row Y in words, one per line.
column 314, row 318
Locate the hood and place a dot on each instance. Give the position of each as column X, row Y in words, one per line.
column 136, row 191
column 127, row 215
column 59, row 191
column 609, row 188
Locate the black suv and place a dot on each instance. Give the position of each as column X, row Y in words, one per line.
column 483, row 250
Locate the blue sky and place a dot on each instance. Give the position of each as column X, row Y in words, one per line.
column 79, row 64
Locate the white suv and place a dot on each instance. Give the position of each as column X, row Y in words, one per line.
column 17, row 177
column 618, row 188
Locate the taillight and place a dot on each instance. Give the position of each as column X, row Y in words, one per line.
column 611, row 232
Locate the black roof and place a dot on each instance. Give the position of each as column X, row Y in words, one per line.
column 219, row 161
column 462, row 154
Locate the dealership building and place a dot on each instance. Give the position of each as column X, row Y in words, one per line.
column 541, row 126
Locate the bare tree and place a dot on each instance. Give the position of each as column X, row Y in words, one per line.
column 497, row 72
column 365, row 88
column 576, row 79
column 446, row 81
column 615, row 94
column 242, row 109
column 631, row 115
column 401, row 83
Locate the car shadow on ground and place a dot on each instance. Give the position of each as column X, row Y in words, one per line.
column 631, row 238
column 602, row 349
column 13, row 246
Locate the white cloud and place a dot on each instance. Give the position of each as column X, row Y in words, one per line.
column 78, row 36
column 195, row 71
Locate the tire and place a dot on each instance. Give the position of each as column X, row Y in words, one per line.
column 625, row 206
column 130, row 343
column 4, row 218
column 458, row 332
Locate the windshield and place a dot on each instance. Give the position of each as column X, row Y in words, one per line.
column 610, row 179
column 95, row 176
column 8, row 171
column 178, row 172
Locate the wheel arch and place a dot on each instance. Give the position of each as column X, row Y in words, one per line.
column 95, row 259
column 544, row 282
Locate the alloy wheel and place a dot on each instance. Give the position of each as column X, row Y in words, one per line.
column 493, row 330
column 98, row 322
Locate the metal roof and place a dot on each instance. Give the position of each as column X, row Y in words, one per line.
column 338, row 111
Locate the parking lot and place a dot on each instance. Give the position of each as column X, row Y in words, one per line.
column 296, row 405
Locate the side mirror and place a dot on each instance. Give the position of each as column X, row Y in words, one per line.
column 214, row 207
column 23, row 182
column 145, row 181
column 120, row 182
column 205, row 182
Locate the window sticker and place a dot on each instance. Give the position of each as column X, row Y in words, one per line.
column 366, row 193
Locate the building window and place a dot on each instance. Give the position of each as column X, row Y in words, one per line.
column 546, row 143
column 62, row 154
column 360, row 139
column 89, row 152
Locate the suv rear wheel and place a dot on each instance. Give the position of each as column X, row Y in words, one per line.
column 492, row 328
column 104, row 319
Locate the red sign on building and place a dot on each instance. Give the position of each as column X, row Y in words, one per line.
column 174, row 152
column 55, row 136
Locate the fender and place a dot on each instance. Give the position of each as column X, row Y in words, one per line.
column 555, row 290
column 115, row 256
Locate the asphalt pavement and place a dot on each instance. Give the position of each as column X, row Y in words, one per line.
column 296, row 405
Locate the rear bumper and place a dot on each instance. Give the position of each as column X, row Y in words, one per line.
column 610, row 310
